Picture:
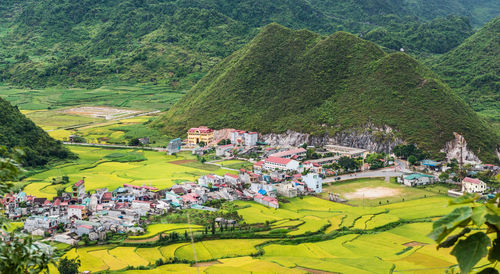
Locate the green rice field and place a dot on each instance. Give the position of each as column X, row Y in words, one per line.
column 354, row 241
column 158, row 170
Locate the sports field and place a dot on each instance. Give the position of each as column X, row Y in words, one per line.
column 375, row 191
column 158, row 170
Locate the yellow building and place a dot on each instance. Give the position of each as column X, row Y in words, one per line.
column 200, row 134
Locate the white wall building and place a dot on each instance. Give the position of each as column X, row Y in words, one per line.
column 244, row 138
column 313, row 181
column 471, row 185
column 280, row 163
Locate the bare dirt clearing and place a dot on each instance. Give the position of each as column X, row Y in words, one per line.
column 372, row 193
column 100, row 112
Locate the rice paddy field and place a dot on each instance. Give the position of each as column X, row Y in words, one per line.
column 158, row 170
column 139, row 96
column 354, row 241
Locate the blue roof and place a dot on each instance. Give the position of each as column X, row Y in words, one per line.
column 430, row 163
column 417, row 176
column 263, row 192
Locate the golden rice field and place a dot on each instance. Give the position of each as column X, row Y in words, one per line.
column 405, row 248
column 354, row 238
column 100, row 258
column 157, row 171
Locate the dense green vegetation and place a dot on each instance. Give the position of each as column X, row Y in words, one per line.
column 473, row 69
column 89, row 43
column 298, row 80
column 18, row 131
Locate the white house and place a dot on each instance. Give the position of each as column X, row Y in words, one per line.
column 313, row 181
column 287, row 189
column 266, row 200
column 40, row 222
column 417, row 179
column 141, row 207
column 471, row 185
column 241, row 137
column 78, row 211
column 231, row 179
column 280, row 163
column 224, row 151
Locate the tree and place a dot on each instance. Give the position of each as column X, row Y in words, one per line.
column 347, row 163
column 443, row 177
column 412, row 160
column 472, row 243
column 134, row 142
column 201, row 144
column 18, row 253
column 69, row 266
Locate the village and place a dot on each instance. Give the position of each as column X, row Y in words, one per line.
column 276, row 172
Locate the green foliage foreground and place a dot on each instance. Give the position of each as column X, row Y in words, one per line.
column 478, row 221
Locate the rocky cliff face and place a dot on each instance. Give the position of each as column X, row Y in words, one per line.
column 371, row 138
column 457, row 148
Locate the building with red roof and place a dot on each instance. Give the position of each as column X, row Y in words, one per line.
column 298, row 153
column 200, row 134
column 472, row 185
column 272, row 163
column 78, row 190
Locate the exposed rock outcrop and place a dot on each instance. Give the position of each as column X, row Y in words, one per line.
column 371, row 138
column 457, row 148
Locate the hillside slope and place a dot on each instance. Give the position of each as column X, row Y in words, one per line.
column 473, row 69
column 298, row 80
column 18, row 131
column 88, row 43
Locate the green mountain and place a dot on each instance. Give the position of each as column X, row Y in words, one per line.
column 285, row 79
column 473, row 69
column 88, row 43
column 18, row 131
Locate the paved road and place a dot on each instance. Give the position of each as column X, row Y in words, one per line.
column 386, row 172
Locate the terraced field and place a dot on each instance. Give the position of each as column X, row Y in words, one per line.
column 157, row 170
column 101, row 258
column 305, row 234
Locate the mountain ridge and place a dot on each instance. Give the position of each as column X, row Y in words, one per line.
column 285, row 79
column 473, row 70
column 17, row 131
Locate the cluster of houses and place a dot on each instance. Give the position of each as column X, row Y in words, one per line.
column 79, row 213
column 279, row 172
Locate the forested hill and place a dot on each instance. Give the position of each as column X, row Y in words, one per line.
column 87, row 43
column 285, row 79
column 18, row 131
column 473, row 69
